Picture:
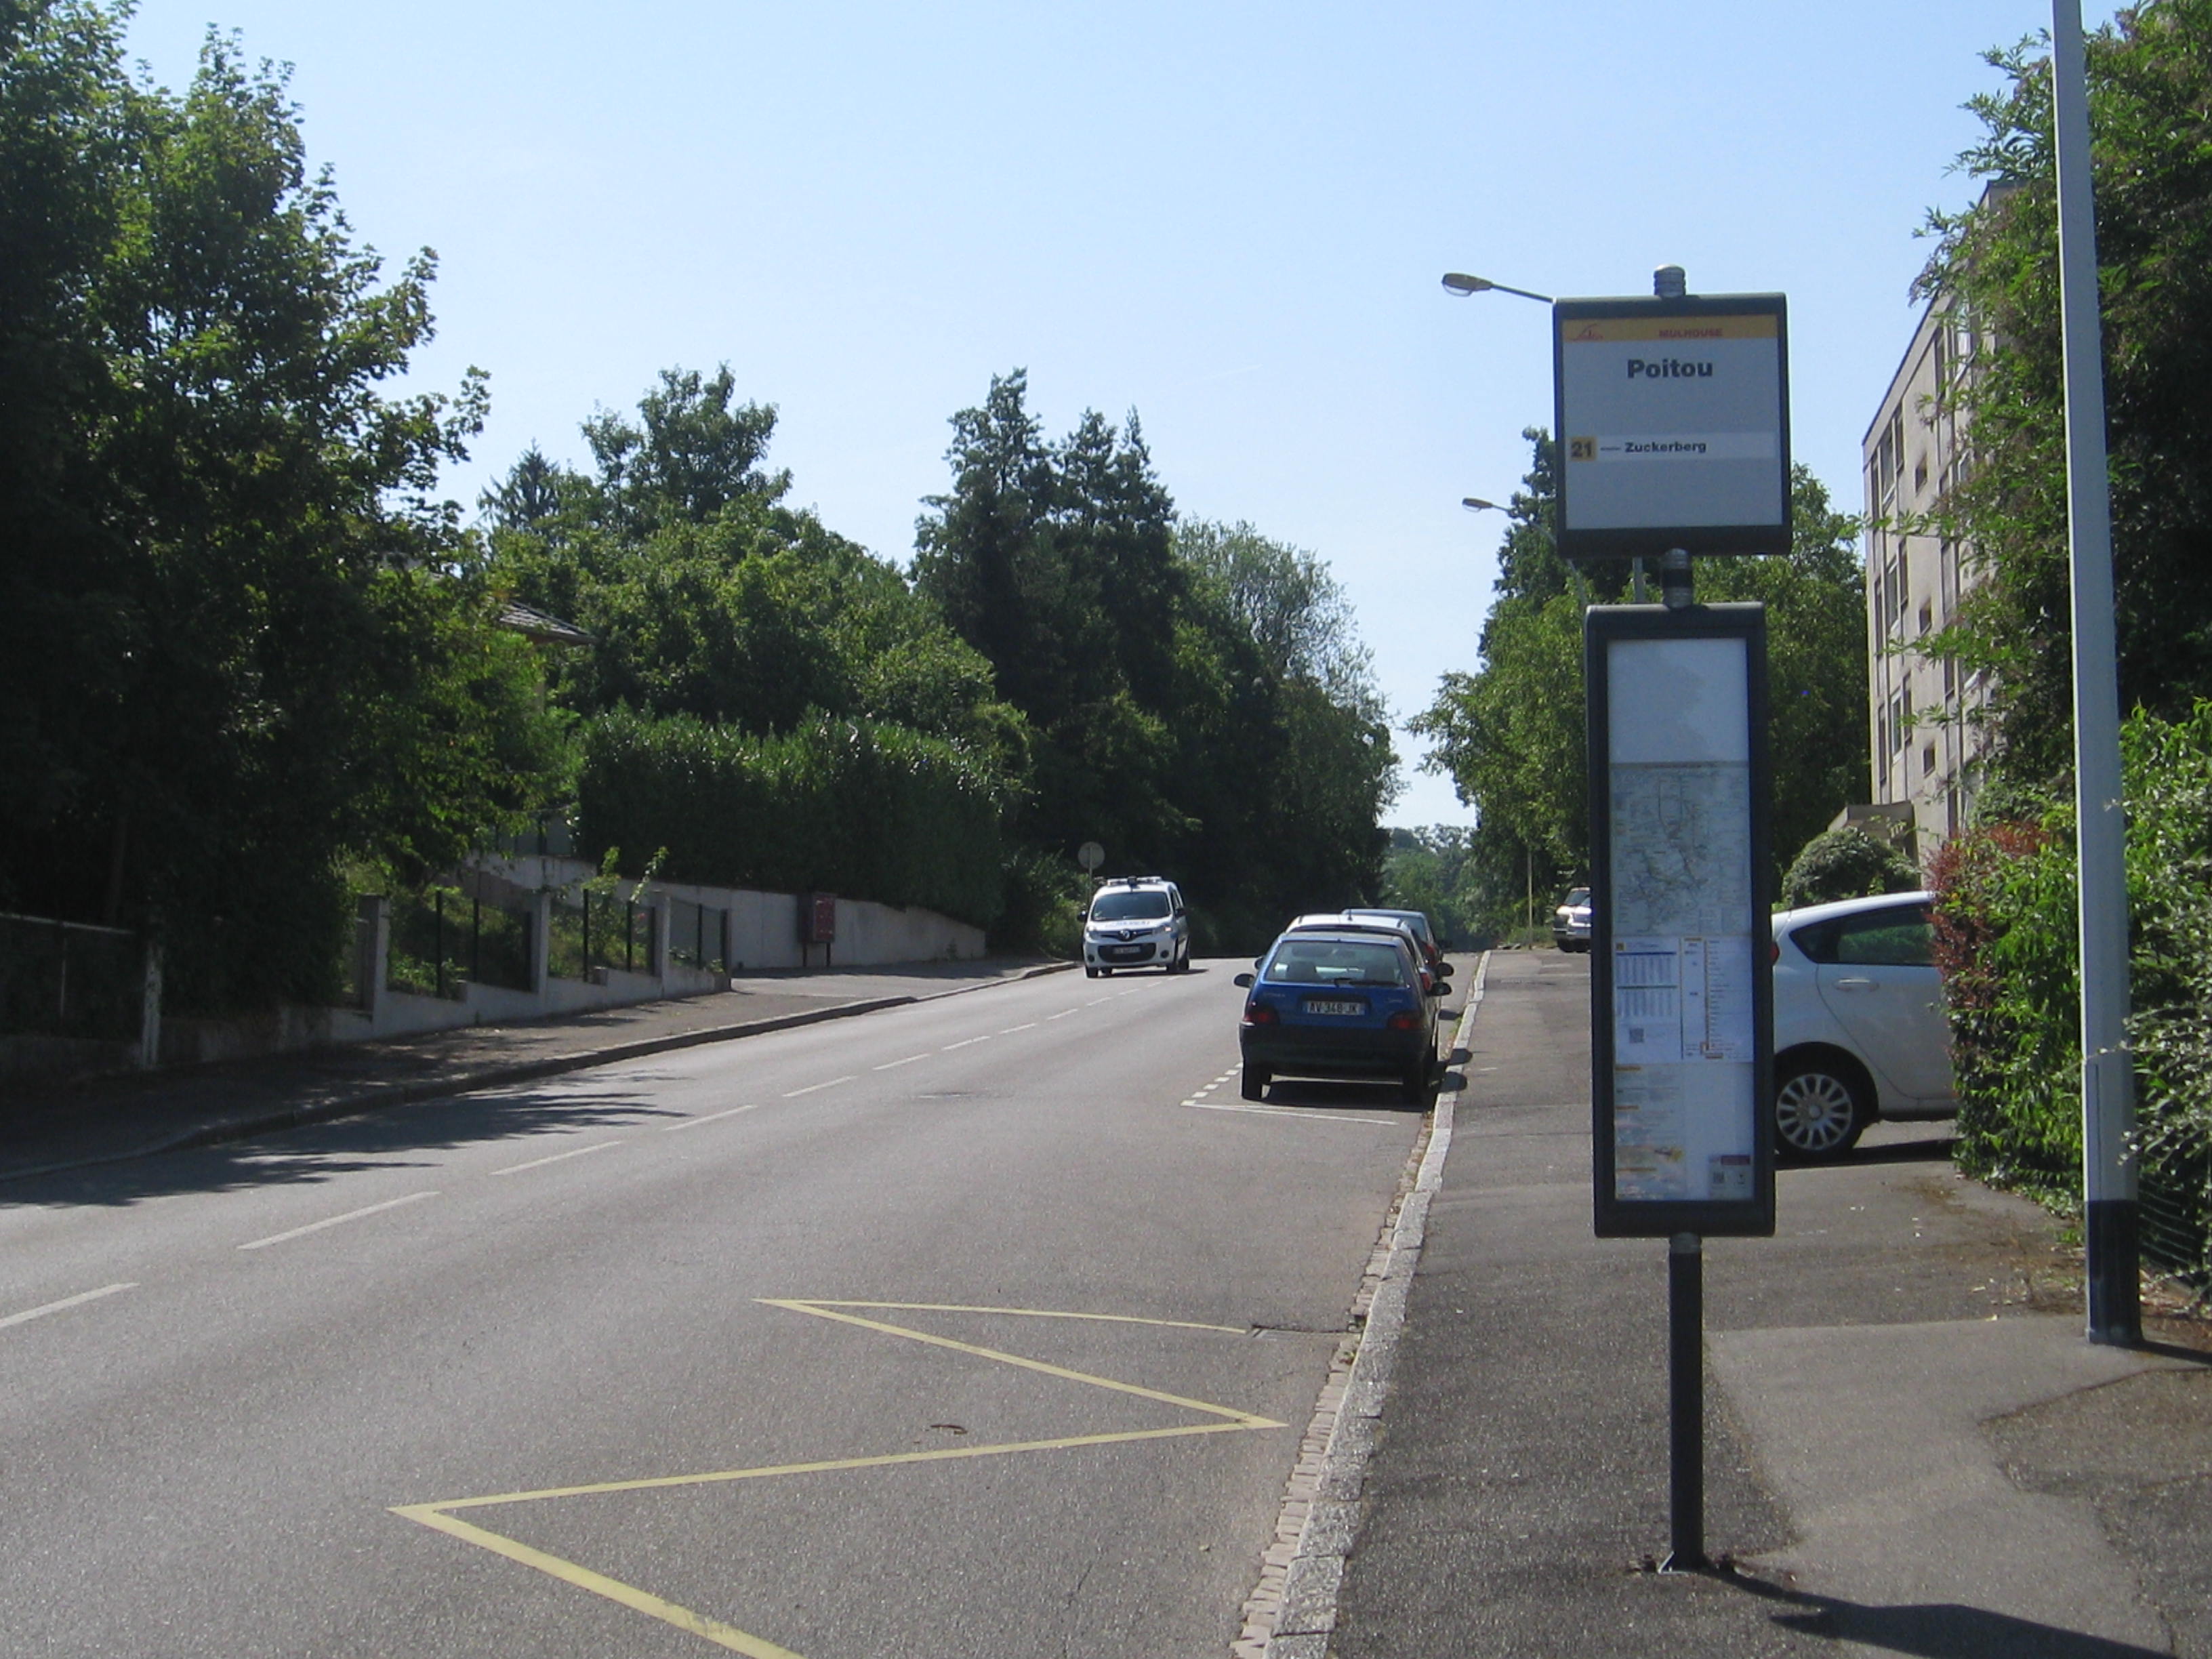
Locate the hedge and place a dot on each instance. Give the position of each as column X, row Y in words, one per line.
column 2006, row 941
column 860, row 808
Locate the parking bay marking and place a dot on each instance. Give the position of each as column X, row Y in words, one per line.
column 1199, row 1103
column 67, row 1302
column 440, row 1517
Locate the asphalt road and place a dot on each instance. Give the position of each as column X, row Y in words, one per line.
column 987, row 1326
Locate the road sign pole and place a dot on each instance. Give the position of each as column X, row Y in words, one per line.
column 2108, row 1114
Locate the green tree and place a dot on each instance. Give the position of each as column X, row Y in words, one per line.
column 706, row 596
column 1509, row 733
column 1054, row 561
column 2150, row 99
column 1199, row 700
column 239, row 643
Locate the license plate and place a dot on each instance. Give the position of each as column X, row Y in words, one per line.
column 1334, row 1006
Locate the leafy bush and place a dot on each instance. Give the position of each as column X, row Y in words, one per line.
column 2006, row 940
column 1045, row 896
column 867, row 810
column 1844, row 864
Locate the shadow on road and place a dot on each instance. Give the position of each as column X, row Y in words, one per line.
column 1934, row 1630
column 1363, row 1096
column 382, row 1139
column 1935, row 1149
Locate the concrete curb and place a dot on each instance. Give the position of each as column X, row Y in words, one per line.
column 1292, row 1611
column 379, row 1097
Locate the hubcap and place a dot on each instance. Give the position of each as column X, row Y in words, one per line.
column 1813, row 1112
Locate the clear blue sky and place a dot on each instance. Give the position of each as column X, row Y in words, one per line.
column 1230, row 217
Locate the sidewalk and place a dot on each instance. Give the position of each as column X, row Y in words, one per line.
column 1911, row 1448
column 130, row 1117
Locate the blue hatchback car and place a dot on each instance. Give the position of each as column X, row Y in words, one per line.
column 1347, row 1004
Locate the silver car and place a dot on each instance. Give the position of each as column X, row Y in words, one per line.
column 1859, row 1031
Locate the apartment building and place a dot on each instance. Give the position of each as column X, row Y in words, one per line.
column 1927, row 747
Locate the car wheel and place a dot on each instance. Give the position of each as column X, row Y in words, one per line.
column 1089, row 972
column 1820, row 1107
column 1413, row 1087
column 1256, row 1080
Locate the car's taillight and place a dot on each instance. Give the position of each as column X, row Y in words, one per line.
column 1777, row 957
column 1258, row 1013
column 1404, row 1020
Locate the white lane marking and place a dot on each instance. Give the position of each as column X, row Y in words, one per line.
column 1309, row 1115
column 794, row 1094
column 540, row 1162
column 1064, row 1013
column 969, row 1043
column 893, row 1065
column 1094, row 1001
column 711, row 1117
column 1011, row 1030
column 78, row 1300
column 335, row 1220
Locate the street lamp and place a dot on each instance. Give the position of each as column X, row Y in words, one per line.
column 1460, row 282
column 1476, row 504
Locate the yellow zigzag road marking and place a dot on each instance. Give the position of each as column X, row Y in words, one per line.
column 440, row 1516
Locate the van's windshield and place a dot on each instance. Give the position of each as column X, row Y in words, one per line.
column 1128, row 905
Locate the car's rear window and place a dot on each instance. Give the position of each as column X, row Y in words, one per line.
column 1128, row 907
column 1898, row 937
column 1335, row 961
column 1412, row 919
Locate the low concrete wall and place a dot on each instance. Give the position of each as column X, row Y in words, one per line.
column 764, row 933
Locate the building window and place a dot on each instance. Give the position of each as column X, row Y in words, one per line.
column 1926, row 615
column 1927, row 760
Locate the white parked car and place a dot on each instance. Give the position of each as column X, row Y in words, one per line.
column 1859, row 1032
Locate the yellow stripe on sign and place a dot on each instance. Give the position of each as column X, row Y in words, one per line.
column 1039, row 1365
column 1680, row 330
column 696, row 1624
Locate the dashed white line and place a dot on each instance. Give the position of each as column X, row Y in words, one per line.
column 966, row 1043
column 711, row 1117
column 893, row 1065
column 1011, row 1030
column 794, row 1094
column 336, row 1220
column 1064, row 1013
column 76, row 1301
column 540, row 1162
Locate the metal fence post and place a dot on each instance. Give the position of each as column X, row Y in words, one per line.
column 372, row 950
column 541, row 939
column 150, row 1008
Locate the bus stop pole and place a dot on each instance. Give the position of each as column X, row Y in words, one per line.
column 1686, row 1400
